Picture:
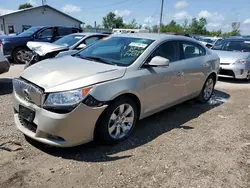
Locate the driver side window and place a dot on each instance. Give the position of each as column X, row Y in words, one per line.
column 46, row 33
column 90, row 40
column 169, row 50
column 87, row 42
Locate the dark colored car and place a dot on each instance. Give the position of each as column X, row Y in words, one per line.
column 15, row 46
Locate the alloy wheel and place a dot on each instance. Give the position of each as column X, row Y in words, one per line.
column 121, row 121
column 23, row 56
column 208, row 90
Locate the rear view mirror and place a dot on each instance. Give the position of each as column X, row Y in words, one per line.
column 158, row 61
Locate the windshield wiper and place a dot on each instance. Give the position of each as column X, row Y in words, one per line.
column 79, row 55
column 99, row 59
column 94, row 58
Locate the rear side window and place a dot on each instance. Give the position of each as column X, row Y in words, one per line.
column 192, row 50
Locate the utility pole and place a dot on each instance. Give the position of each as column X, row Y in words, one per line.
column 159, row 29
column 44, row 2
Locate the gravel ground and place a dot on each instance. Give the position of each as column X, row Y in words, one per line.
column 189, row 145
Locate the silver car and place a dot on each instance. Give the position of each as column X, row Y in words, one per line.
column 234, row 56
column 102, row 91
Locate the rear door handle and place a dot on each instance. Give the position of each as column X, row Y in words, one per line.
column 180, row 73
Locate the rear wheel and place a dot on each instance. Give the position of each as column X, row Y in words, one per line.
column 117, row 122
column 207, row 90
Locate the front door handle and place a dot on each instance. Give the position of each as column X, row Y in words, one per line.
column 180, row 73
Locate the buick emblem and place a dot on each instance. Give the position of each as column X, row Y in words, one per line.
column 26, row 94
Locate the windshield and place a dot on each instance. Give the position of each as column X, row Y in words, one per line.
column 29, row 32
column 122, row 51
column 233, row 45
column 69, row 40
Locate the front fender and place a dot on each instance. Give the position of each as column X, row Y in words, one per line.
column 108, row 91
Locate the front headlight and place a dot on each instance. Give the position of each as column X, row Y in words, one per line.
column 65, row 99
column 241, row 61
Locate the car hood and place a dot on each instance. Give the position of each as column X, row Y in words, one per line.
column 67, row 73
column 43, row 48
column 231, row 57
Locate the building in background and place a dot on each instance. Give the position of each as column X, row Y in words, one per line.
column 45, row 15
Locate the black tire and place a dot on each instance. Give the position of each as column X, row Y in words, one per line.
column 101, row 131
column 201, row 98
column 15, row 54
column 248, row 76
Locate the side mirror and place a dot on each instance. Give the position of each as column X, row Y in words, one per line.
column 81, row 46
column 158, row 61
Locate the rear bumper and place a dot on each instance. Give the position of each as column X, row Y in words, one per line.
column 238, row 71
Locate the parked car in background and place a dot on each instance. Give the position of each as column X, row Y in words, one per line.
column 15, row 46
column 101, row 91
column 67, row 45
column 208, row 41
column 234, row 56
column 217, row 41
column 4, row 64
column 183, row 34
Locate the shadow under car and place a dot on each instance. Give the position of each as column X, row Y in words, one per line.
column 146, row 130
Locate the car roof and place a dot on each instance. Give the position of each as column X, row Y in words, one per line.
column 238, row 38
column 154, row 36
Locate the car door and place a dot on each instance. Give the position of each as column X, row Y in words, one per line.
column 163, row 86
column 195, row 67
column 45, row 35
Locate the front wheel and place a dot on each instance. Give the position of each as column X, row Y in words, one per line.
column 117, row 122
column 248, row 76
column 22, row 55
column 207, row 90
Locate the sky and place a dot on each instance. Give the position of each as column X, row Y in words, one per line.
column 219, row 13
